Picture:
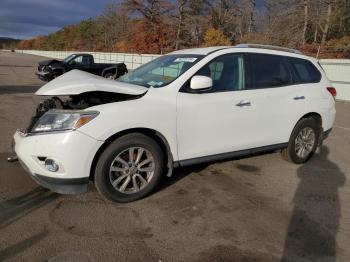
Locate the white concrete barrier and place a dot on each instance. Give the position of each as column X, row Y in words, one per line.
column 337, row 70
column 132, row 61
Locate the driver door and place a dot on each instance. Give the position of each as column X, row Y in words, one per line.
column 76, row 63
column 220, row 120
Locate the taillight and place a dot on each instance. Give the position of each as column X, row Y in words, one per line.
column 332, row 90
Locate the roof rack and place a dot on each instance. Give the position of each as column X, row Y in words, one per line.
column 271, row 47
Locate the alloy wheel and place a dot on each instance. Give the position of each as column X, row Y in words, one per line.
column 304, row 142
column 132, row 170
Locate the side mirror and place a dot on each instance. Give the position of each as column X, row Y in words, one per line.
column 201, row 83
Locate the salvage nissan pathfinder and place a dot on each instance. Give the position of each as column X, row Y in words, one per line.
column 183, row 108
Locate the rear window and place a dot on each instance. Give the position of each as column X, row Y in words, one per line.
column 306, row 71
column 269, row 71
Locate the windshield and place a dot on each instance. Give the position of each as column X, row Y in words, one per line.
column 68, row 58
column 161, row 71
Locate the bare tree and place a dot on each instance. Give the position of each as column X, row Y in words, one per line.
column 113, row 25
column 153, row 11
column 306, row 17
column 180, row 20
column 325, row 28
column 251, row 15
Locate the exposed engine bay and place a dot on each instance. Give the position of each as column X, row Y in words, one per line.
column 78, row 102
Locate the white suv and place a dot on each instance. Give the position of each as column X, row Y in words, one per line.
column 187, row 107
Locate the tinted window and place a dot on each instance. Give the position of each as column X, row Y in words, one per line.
column 269, row 71
column 86, row 60
column 306, row 71
column 226, row 71
column 77, row 60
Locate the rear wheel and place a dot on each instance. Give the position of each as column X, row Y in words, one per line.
column 129, row 168
column 303, row 141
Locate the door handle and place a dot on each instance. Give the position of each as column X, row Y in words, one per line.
column 299, row 97
column 242, row 103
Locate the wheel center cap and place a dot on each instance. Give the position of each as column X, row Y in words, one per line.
column 132, row 170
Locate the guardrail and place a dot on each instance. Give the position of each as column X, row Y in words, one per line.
column 132, row 61
column 337, row 70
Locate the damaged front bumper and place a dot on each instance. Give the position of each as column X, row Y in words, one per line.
column 72, row 151
column 59, row 185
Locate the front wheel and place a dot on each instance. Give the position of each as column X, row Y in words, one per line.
column 303, row 141
column 129, row 168
column 55, row 75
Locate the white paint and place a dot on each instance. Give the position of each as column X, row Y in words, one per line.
column 201, row 82
column 194, row 125
column 77, row 82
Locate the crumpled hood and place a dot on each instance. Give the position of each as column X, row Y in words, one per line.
column 49, row 62
column 77, row 82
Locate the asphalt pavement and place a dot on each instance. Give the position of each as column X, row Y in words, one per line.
column 260, row 208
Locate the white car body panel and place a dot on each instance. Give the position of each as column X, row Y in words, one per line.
column 73, row 151
column 320, row 100
column 155, row 110
column 204, row 130
column 193, row 125
column 77, row 82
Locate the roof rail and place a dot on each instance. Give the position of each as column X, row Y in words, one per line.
column 271, row 47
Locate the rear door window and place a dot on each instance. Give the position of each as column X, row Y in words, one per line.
column 306, row 72
column 269, row 71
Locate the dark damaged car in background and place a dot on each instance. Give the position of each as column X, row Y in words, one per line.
column 50, row 69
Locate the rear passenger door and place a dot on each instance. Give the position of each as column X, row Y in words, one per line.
column 278, row 99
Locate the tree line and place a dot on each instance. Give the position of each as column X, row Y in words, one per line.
column 159, row 26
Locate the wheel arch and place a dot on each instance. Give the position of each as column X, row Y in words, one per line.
column 315, row 115
column 108, row 70
column 154, row 134
column 58, row 70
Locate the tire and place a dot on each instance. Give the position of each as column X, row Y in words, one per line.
column 306, row 124
column 55, row 75
column 112, row 165
column 109, row 76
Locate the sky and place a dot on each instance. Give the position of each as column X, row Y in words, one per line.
column 25, row 19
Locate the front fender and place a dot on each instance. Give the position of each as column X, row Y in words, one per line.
column 146, row 112
column 57, row 68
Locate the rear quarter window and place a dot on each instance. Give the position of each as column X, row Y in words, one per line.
column 305, row 70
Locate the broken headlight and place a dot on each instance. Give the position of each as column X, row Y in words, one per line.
column 62, row 120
